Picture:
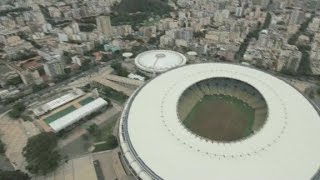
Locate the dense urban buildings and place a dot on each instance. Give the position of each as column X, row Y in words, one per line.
column 70, row 68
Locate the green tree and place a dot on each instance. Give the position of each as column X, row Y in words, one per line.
column 17, row 110
column 2, row 147
column 153, row 40
column 93, row 129
column 119, row 69
column 39, row 87
column 14, row 81
column 199, row 34
column 41, row 154
column 111, row 141
column 13, row 175
column 304, row 66
column 267, row 21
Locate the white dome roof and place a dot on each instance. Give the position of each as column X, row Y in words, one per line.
column 159, row 60
column 127, row 54
column 285, row 148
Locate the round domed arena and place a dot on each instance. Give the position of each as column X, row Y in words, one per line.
column 219, row 121
column 154, row 62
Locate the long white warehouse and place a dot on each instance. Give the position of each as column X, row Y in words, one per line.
column 78, row 114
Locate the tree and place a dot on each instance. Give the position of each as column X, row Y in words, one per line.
column 119, row 69
column 14, row 81
column 13, row 175
column 293, row 38
column 2, row 147
column 93, row 129
column 318, row 91
column 199, row 34
column 111, row 141
column 304, row 67
column 39, row 87
column 17, row 110
column 153, row 40
column 87, row 27
column 267, row 21
column 116, row 65
column 41, row 154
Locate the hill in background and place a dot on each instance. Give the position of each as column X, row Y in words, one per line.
column 157, row 7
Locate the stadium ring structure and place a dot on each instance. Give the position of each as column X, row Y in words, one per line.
column 158, row 61
column 155, row 144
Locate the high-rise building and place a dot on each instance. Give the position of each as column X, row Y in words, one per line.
column 239, row 11
column 296, row 17
column 104, row 26
column 54, row 68
column 185, row 34
column 75, row 27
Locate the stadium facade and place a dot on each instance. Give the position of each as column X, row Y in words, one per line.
column 155, row 144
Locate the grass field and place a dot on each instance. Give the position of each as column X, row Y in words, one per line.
column 221, row 118
column 59, row 114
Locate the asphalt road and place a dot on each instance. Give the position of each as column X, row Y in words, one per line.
column 28, row 99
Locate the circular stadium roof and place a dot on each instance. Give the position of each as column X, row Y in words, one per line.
column 192, row 53
column 159, row 60
column 127, row 54
column 287, row 146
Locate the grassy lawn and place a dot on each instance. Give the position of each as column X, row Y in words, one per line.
column 86, row 101
column 110, row 143
column 112, row 94
column 243, row 107
column 104, row 134
column 59, row 114
column 101, row 147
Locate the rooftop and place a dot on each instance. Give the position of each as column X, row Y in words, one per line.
column 159, row 60
column 285, row 148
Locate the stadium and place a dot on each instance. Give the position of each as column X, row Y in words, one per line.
column 154, row 62
column 219, row 121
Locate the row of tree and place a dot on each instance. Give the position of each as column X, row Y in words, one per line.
column 304, row 66
column 252, row 34
column 17, row 110
column 119, row 69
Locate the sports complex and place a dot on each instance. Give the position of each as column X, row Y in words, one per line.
column 219, row 121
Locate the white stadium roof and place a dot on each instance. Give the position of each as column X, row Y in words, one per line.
column 287, row 146
column 159, row 60
column 77, row 114
column 127, row 54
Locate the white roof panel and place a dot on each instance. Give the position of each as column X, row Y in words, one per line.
column 58, row 102
column 285, row 148
column 76, row 115
column 159, row 60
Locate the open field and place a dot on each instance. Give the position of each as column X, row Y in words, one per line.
column 220, row 118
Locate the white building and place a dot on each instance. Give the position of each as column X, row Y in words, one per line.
column 78, row 114
column 49, row 106
column 104, row 26
column 155, row 62
column 155, row 145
